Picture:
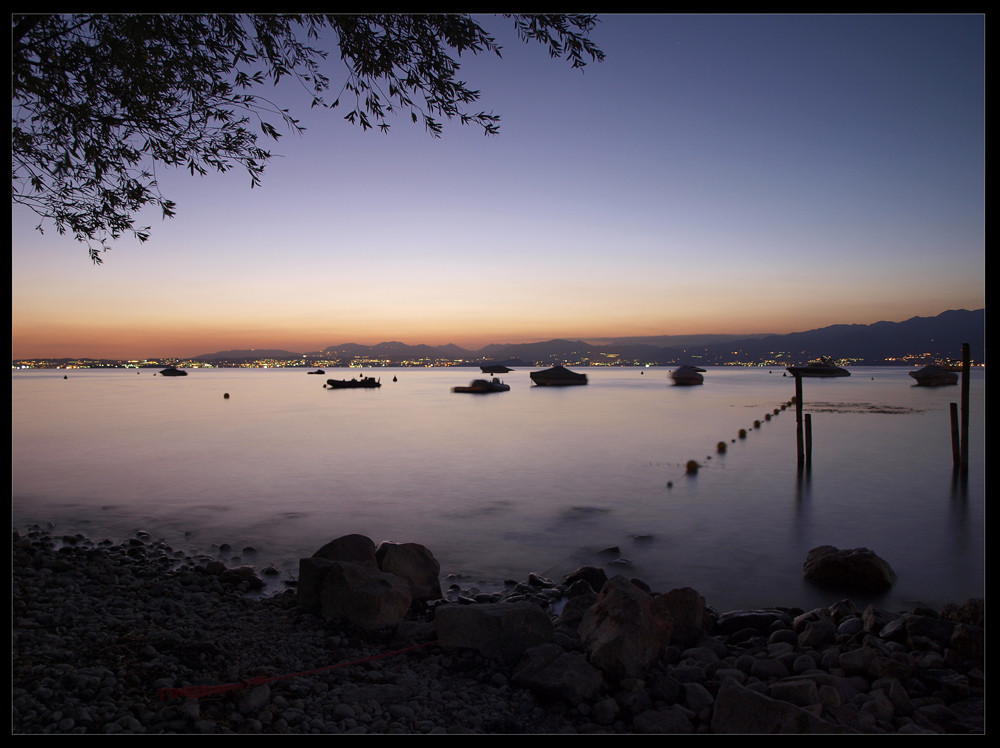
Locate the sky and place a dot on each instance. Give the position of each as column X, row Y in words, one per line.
column 715, row 174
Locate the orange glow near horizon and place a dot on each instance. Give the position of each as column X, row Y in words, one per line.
column 151, row 338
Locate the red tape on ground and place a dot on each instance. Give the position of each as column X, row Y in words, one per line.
column 194, row 692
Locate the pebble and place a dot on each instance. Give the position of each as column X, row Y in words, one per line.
column 99, row 629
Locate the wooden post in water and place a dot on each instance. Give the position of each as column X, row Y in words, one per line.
column 821, row 368
column 800, row 449
column 966, row 376
column 809, row 440
column 956, row 442
column 960, row 432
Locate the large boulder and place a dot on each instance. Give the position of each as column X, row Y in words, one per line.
column 848, row 569
column 357, row 549
column 553, row 673
column 365, row 597
column 503, row 631
column 690, row 615
column 310, row 581
column 744, row 711
column 595, row 576
column 568, row 621
column 414, row 563
column 342, row 581
column 625, row 630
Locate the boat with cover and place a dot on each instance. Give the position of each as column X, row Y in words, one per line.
column 934, row 376
column 820, row 368
column 557, row 376
column 173, row 371
column 482, row 386
column 353, row 384
column 687, row 375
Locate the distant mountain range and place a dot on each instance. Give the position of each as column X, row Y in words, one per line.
column 939, row 337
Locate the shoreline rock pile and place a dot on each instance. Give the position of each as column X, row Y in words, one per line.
column 118, row 638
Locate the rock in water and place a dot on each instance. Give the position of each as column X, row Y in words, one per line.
column 848, row 569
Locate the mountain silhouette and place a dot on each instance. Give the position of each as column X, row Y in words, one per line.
column 941, row 336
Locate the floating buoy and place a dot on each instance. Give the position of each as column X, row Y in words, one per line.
column 226, row 396
column 720, row 447
column 692, row 467
column 756, row 424
column 743, row 433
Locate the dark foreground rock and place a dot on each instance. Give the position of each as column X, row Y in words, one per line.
column 848, row 569
column 136, row 638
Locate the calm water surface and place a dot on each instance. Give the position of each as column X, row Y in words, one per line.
column 535, row 479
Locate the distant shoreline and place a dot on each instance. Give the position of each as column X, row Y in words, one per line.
column 916, row 341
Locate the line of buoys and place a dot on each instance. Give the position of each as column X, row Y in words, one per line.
column 692, row 466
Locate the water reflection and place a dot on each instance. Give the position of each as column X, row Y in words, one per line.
column 533, row 480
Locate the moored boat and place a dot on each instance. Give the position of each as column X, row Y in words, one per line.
column 557, row 376
column 351, row 384
column 934, row 376
column 173, row 371
column 482, row 386
column 821, row 368
column 687, row 375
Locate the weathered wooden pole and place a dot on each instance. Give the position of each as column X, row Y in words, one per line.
column 809, row 440
column 966, row 376
column 956, row 441
column 800, row 448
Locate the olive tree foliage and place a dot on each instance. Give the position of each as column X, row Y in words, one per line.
column 100, row 102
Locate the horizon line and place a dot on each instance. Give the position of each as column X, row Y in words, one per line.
column 590, row 340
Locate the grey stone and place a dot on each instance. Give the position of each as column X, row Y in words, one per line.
column 625, row 630
column 363, row 596
column 740, row 710
column 414, row 563
column 498, row 630
column 551, row 671
column 850, row 569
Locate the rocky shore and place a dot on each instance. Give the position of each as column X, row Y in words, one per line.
column 136, row 637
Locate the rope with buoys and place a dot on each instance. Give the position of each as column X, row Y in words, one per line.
column 194, row 692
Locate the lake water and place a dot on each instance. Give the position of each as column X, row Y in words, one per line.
column 537, row 479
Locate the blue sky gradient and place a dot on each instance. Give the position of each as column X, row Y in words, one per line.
column 737, row 174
